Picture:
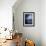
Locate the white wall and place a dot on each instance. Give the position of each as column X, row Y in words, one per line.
column 6, row 13
column 33, row 33
column 43, row 22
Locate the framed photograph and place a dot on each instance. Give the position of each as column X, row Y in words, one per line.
column 28, row 19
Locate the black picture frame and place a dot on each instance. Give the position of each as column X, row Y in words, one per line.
column 29, row 19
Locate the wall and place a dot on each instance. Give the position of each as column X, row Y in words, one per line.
column 6, row 13
column 43, row 22
column 33, row 33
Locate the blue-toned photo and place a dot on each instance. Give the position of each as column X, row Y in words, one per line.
column 28, row 18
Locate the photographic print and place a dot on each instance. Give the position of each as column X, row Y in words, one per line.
column 28, row 19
